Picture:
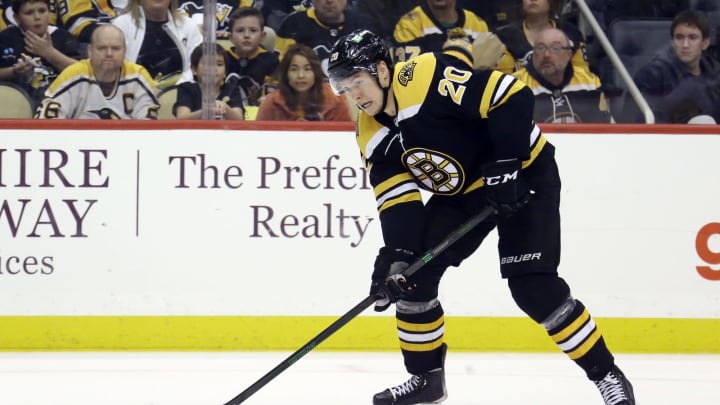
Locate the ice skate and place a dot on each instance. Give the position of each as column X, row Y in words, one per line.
column 428, row 388
column 615, row 388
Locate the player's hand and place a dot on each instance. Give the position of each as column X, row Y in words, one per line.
column 505, row 189
column 487, row 49
column 388, row 284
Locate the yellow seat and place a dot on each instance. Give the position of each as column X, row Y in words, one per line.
column 167, row 99
column 226, row 43
column 16, row 101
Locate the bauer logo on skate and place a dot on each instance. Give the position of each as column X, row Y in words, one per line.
column 707, row 245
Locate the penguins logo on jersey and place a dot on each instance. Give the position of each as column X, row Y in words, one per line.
column 105, row 114
column 435, row 171
column 406, row 73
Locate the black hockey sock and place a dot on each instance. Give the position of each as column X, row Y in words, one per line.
column 421, row 335
column 546, row 299
column 579, row 337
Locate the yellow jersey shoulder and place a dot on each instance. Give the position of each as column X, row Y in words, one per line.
column 412, row 79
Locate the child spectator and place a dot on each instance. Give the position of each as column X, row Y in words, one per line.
column 303, row 94
column 228, row 104
column 34, row 52
column 250, row 65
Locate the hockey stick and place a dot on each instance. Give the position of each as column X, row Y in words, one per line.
column 360, row 307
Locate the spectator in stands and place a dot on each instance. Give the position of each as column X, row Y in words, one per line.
column 34, row 52
column 104, row 86
column 496, row 13
column 195, row 10
column 275, row 11
column 519, row 37
column 250, row 66
column 564, row 93
column 159, row 38
column 6, row 18
column 81, row 17
column 229, row 102
column 664, row 79
column 386, row 14
column 303, row 94
column 426, row 27
column 319, row 27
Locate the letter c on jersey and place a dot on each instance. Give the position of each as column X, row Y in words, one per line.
column 702, row 245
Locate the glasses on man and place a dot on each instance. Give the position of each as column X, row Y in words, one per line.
column 554, row 48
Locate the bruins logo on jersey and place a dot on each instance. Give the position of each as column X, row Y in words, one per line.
column 406, row 73
column 435, row 171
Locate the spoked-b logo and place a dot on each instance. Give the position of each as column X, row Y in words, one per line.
column 707, row 244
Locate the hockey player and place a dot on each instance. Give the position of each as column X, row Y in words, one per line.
column 467, row 136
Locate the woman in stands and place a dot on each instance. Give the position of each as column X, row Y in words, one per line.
column 160, row 39
column 302, row 93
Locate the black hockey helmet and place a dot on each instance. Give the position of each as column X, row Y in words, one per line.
column 357, row 51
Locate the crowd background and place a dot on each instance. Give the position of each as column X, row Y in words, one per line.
column 669, row 48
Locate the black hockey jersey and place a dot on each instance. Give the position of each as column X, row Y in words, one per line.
column 224, row 9
column 12, row 46
column 304, row 27
column 450, row 121
column 418, row 31
column 80, row 16
column 579, row 98
column 252, row 73
column 519, row 49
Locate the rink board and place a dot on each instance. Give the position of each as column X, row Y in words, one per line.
column 252, row 236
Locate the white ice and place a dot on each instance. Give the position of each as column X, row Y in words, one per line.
column 324, row 378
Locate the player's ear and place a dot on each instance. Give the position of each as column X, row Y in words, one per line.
column 383, row 72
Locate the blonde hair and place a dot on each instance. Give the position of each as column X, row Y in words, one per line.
column 133, row 8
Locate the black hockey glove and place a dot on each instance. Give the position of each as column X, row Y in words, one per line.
column 388, row 285
column 505, row 189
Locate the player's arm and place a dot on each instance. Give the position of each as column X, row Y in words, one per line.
column 398, row 198
column 508, row 104
column 401, row 219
